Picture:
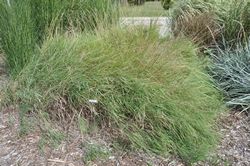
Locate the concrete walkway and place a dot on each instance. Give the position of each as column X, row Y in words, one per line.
column 162, row 23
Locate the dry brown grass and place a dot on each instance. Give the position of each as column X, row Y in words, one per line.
column 199, row 26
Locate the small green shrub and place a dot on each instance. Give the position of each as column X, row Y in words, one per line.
column 153, row 91
column 166, row 4
column 231, row 72
column 136, row 2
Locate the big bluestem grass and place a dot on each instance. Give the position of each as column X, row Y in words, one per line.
column 231, row 72
column 28, row 23
column 153, row 91
column 210, row 22
column 195, row 19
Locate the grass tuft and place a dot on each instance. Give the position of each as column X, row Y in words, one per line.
column 235, row 21
column 154, row 91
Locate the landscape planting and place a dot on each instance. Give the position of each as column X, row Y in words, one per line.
column 72, row 62
column 146, row 92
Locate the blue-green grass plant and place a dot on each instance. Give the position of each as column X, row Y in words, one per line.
column 230, row 70
column 153, row 90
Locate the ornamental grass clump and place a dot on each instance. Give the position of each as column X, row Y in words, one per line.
column 230, row 70
column 153, row 91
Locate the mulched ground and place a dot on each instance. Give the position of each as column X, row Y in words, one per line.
column 234, row 148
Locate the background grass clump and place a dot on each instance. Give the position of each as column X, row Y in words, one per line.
column 234, row 18
column 210, row 22
column 153, row 91
column 26, row 24
column 195, row 19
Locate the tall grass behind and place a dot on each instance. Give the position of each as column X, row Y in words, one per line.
column 153, row 91
column 28, row 23
column 195, row 19
column 17, row 35
column 231, row 72
column 228, row 28
column 235, row 21
column 210, row 22
column 53, row 16
column 105, row 12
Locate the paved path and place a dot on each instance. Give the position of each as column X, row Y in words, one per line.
column 161, row 22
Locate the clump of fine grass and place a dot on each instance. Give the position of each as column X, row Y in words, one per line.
column 153, row 91
column 230, row 70
column 23, row 25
